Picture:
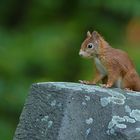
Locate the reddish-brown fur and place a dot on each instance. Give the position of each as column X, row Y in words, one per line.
column 112, row 65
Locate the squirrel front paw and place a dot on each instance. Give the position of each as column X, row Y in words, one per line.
column 84, row 82
column 105, row 85
column 87, row 82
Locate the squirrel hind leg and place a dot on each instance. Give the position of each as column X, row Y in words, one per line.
column 128, row 89
column 131, row 81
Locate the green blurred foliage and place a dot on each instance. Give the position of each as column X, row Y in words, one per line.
column 40, row 41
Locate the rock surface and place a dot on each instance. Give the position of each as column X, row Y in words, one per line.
column 72, row 111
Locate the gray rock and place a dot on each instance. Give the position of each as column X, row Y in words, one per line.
column 72, row 111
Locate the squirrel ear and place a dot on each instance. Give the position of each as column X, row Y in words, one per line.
column 88, row 34
column 95, row 34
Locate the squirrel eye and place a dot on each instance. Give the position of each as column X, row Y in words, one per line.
column 90, row 45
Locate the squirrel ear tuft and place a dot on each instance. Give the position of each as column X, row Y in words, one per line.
column 88, row 34
column 95, row 34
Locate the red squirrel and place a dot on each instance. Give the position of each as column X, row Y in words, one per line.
column 113, row 66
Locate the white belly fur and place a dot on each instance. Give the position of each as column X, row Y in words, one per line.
column 118, row 83
column 100, row 66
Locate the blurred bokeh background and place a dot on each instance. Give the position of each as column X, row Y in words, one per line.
column 40, row 41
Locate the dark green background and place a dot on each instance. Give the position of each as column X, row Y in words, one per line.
column 40, row 41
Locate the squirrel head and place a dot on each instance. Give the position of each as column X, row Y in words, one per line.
column 91, row 45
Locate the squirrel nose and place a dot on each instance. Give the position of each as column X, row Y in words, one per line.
column 80, row 53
